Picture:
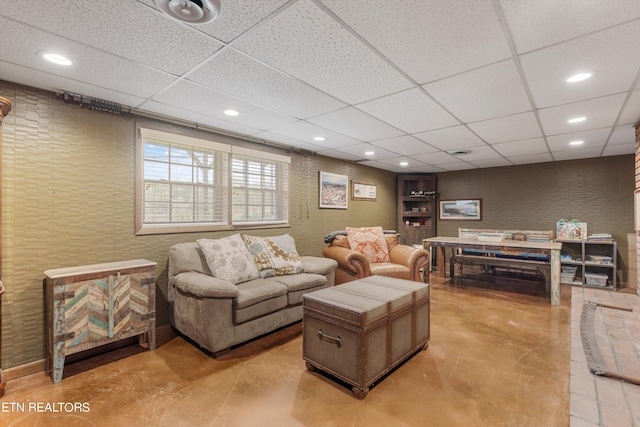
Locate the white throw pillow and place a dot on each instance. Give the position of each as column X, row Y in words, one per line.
column 229, row 259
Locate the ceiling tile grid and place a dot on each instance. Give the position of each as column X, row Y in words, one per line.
column 410, row 80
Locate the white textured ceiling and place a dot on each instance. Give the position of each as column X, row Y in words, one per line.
column 409, row 80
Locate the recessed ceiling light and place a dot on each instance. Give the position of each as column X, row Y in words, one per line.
column 459, row 152
column 579, row 77
column 318, row 138
column 369, row 153
column 577, row 119
column 56, row 59
column 231, row 112
column 576, row 143
column 404, row 163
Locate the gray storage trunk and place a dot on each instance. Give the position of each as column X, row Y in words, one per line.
column 361, row 330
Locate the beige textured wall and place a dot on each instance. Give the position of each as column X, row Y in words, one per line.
column 597, row 191
column 68, row 199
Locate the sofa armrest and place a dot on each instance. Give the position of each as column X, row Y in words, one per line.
column 348, row 259
column 205, row 286
column 412, row 257
column 318, row 265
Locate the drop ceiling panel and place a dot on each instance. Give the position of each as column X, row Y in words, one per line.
column 456, row 166
column 535, row 24
column 360, row 149
column 115, row 27
column 620, row 149
column 90, row 66
column 482, row 94
column 435, row 158
column 305, row 131
column 582, row 154
column 625, row 134
column 510, row 128
column 405, row 145
column 631, row 112
column 522, row 148
column 395, row 162
column 339, row 155
column 238, row 75
column 413, row 33
column 411, row 111
column 450, row 138
column 491, row 163
column 531, row 158
column 281, row 139
column 194, row 117
column 599, row 113
column 42, row 80
column 356, row 124
column 602, row 52
column 192, row 97
column 235, row 17
column 305, row 42
column 591, row 138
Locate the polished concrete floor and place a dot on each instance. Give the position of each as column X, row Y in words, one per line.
column 499, row 355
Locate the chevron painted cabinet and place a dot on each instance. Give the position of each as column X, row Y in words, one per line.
column 93, row 305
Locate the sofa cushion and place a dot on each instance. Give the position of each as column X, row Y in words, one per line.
column 370, row 242
column 229, row 259
column 274, row 256
column 258, row 290
column 300, row 284
column 260, row 309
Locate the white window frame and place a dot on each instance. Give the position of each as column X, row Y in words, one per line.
column 223, row 184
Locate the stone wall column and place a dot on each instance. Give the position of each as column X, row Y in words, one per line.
column 5, row 107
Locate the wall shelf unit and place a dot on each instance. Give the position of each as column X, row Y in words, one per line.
column 417, row 208
column 594, row 263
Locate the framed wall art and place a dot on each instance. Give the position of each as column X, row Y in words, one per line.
column 362, row 191
column 333, row 190
column 470, row 209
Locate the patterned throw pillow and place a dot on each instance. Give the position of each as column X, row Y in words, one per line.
column 274, row 256
column 229, row 259
column 370, row 242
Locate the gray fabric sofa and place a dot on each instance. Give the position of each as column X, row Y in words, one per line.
column 217, row 314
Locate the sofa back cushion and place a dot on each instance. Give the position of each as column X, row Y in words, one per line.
column 229, row 259
column 370, row 242
column 274, row 256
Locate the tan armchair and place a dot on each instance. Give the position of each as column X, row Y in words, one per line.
column 406, row 261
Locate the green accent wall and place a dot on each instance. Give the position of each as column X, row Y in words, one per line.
column 68, row 200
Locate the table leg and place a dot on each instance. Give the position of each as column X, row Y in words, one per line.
column 555, row 277
column 441, row 262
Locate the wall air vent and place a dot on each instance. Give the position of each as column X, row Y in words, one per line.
column 190, row 11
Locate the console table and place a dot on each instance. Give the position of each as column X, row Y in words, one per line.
column 92, row 305
column 512, row 246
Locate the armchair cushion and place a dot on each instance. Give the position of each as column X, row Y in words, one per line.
column 370, row 242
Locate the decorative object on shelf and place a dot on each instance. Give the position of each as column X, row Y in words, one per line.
column 333, row 190
column 362, row 191
column 571, row 229
column 416, row 208
column 470, row 209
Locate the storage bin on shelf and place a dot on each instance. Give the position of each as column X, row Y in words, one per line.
column 596, row 279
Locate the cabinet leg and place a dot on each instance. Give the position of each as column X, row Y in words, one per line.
column 359, row 394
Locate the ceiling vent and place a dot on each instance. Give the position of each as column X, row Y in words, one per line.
column 459, row 152
column 190, row 11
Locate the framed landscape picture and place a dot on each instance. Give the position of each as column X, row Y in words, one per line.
column 470, row 209
column 333, row 190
